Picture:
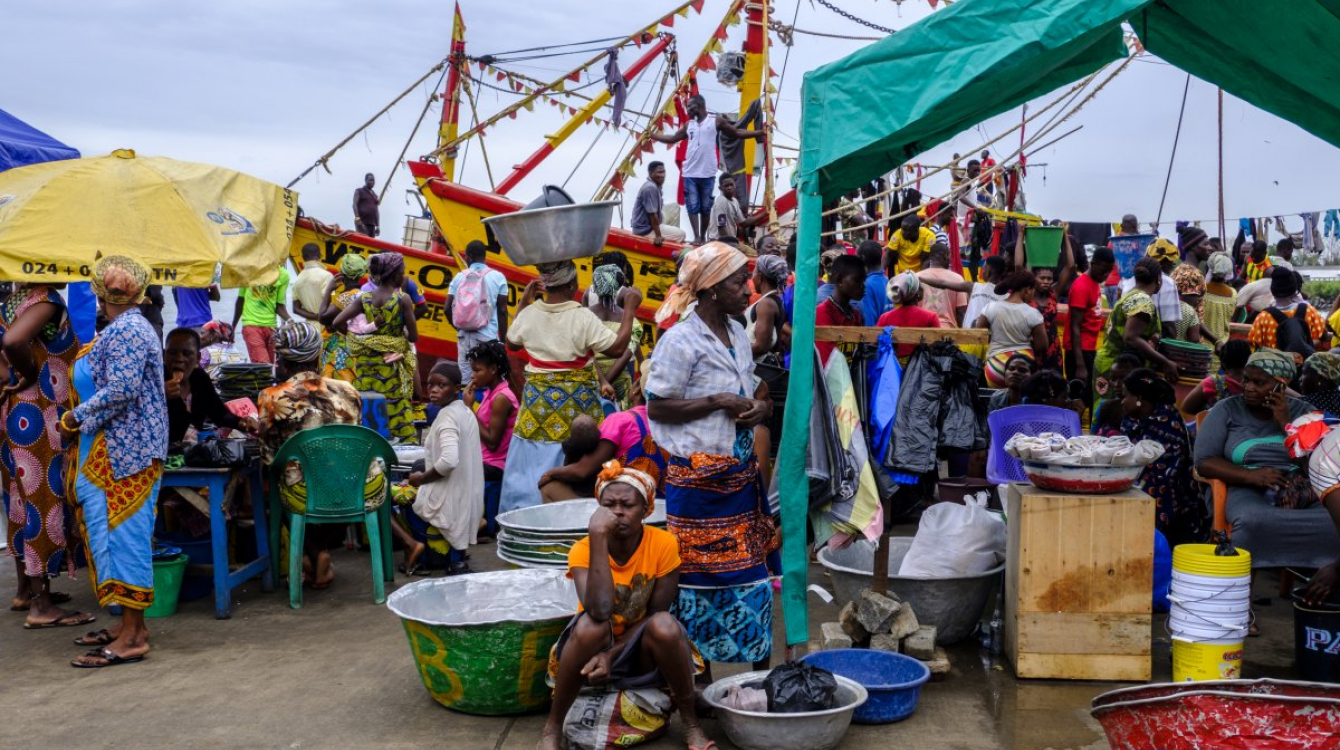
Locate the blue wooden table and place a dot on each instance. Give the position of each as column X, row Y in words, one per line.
column 216, row 481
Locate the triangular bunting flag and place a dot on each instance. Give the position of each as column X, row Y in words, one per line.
column 697, row 6
column 683, row 12
column 706, row 62
column 502, row 77
column 771, row 89
column 575, row 76
column 771, row 73
column 530, row 105
column 668, row 21
column 721, row 32
column 617, row 182
column 933, row 3
column 561, row 85
column 715, row 45
column 512, row 114
column 732, row 19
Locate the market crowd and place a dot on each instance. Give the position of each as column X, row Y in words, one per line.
column 1146, row 351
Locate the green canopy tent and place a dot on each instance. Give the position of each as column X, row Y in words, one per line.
column 874, row 110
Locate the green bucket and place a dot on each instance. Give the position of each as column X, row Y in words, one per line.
column 481, row 642
column 1043, row 246
column 168, row 575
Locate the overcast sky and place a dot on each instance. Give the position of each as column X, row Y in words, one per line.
column 267, row 87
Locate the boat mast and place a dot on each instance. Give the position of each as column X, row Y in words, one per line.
column 451, row 96
column 755, row 73
column 583, row 116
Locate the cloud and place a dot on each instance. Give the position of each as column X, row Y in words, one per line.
column 269, row 87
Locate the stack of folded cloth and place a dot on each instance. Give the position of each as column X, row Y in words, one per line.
column 1085, row 450
column 244, row 380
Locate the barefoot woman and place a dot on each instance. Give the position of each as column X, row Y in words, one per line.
column 122, row 429
column 627, row 577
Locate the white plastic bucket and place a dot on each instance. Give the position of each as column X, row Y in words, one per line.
column 1202, row 633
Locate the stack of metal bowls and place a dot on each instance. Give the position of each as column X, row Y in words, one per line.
column 541, row 535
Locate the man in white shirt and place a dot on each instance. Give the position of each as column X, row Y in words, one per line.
column 700, row 160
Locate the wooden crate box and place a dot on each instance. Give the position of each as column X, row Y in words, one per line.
column 1078, row 584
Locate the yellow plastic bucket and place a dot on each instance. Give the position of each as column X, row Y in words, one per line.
column 1200, row 560
column 1209, row 660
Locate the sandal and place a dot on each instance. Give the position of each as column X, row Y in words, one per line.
column 95, row 638
column 69, row 619
column 57, row 597
column 416, row 569
column 110, row 659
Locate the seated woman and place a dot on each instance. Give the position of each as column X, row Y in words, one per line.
column 192, row 400
column 1271, row 508
column 1320, row 382
column 1233, row 356
column 1151, row 413
column 1049, row 388
column 627, row 578
column 1018, row 368
column 624, row 436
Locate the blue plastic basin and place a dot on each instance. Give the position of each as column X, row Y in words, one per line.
column 893, row 680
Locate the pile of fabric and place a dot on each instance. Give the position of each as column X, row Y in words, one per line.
column 1084, row 450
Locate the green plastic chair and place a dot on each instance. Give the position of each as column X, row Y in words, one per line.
column 334, row 460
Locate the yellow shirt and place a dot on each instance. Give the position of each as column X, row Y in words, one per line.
column 1334, row 323
column 910, row 252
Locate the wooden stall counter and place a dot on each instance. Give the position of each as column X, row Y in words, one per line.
column 1079, row 584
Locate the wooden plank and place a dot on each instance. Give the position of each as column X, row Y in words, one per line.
column 902, row 335
column 1084, row 633
column 1013, row 528
column 1114, row 667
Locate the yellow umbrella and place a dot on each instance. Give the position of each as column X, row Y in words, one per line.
column 181, row 219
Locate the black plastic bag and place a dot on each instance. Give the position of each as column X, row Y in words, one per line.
column 797, row 687
column 216, row 453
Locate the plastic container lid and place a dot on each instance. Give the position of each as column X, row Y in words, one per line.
column 1199, row 559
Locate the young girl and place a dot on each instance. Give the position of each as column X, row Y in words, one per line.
column 905, row 293
column 451, row 486
column 497, row 417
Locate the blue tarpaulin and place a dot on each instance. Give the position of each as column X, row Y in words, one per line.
column 22, row 144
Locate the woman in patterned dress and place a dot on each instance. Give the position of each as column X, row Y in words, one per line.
column 383, row 360
column 561, row 338
column 122, row 429
column 340, row 293
column 39, row 349
column 1150, row 406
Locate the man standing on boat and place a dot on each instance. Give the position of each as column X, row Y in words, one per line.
column 649, row 209
column 367, row 211
column 700, row 162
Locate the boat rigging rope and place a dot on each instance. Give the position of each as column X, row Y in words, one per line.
column 850, row 17
column 1177, row 136
column 483, row 151
column 785, row 34
column 667, row 69
column 432, row 97
column 550, row 46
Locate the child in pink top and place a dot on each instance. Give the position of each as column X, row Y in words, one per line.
column 497, row 416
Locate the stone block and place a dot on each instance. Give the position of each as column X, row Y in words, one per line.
column 905, row 623
column 876, row 612
column 884, row 642
column 834, row 637
column 921, row 644
column 939, row 665
column 851, row 625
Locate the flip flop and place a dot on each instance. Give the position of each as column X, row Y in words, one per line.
column 414, row 570
column 64, row 621
column 95, row 638
column 711, row 745
column 107, row 656
column 57, row 597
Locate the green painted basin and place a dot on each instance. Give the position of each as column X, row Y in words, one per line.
column 481, row 642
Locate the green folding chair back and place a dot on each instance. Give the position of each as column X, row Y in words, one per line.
column 335, row 460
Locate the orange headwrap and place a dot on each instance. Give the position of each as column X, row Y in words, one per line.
column 704, row 267
column 614, row 472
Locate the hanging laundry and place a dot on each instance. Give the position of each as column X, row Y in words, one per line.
column 1246, row 228
column 618, row 87
column 1332, row 224
column 1311, row 232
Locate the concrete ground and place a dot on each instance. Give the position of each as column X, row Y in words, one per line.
column 338, row 674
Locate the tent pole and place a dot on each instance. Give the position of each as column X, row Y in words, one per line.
column 1223, row 232
column 796, row 422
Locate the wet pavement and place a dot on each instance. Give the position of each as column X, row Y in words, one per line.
column 338, row 674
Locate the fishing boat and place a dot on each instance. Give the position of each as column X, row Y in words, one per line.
column 457, row 210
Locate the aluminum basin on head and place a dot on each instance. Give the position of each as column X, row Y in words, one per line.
column 545, row 235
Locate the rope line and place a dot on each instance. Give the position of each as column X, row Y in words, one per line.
column 1177, row 136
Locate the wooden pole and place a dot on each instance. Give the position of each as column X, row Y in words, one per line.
column 1223, row 230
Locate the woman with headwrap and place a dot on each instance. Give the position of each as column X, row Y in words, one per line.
column 340, row 293
column 624, row 636
column 1271, row 509
column 905, row 293
column 704, row 404
column 765, row 319
column 450, row 496
column 1320, row 382
column 383, row 359
column 561, row 338
column 122, row 429
column 39, row 350
column 304, row 400
column 1191, row 291
column 1150, row 406
column 607, row 281
column 1220, row 303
